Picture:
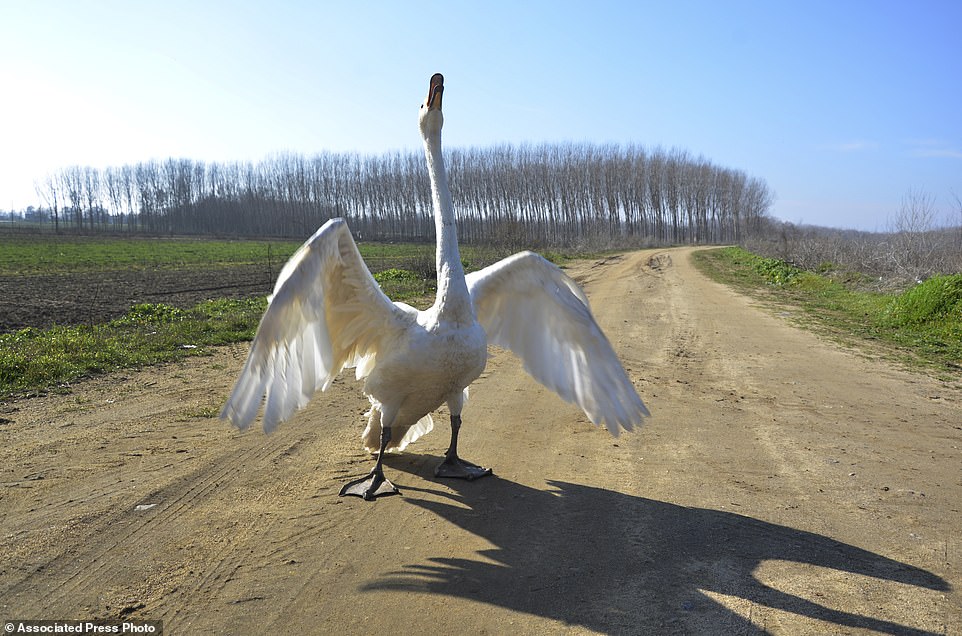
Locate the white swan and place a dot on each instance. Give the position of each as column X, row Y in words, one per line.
column 327, row 312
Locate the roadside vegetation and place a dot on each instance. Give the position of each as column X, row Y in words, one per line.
column 922, row 239
column 920, row 324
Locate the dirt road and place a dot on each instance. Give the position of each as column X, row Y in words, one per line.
column 783, row 486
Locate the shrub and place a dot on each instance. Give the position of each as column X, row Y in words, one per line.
column 775, row 271
column 148, row 313
column 395, row 275
column 935, row 299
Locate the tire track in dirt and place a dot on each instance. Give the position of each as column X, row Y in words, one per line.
column 122, row 528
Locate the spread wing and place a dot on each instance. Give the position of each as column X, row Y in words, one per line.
column 327, row 312
column 528, row 305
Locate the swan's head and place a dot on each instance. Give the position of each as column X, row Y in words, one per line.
column 430, row 117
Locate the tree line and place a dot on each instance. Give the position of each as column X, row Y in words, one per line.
column 539, row 195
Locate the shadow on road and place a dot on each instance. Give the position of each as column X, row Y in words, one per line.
column 617, row 563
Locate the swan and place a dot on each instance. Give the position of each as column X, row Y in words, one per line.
column 327, row 312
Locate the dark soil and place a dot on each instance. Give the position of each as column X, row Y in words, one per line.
column 95, row 297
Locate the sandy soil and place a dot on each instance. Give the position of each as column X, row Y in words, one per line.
column 782, row 486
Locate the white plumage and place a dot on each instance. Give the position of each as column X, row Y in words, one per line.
column 528, row 305
column 327, row 312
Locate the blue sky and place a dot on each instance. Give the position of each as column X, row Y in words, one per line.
column 842, row 107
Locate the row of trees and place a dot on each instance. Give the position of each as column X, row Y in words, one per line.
column 538, row 195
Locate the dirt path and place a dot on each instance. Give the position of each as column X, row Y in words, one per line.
column 782, row 486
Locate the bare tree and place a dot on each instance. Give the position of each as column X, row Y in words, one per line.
column 49, row 192
column 958, row 207
column 912, row 242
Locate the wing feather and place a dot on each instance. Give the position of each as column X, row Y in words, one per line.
column 528, row 305
column 326, row 312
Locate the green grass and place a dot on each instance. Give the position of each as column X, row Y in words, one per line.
column 25, row 255
column 922, row 325
column 34, row 361
column 44, row 254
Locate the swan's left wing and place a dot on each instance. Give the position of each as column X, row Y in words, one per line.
column 528, row 305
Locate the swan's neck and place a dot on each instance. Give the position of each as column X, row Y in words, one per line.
column 453, row 301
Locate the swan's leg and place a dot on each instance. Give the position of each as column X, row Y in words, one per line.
column 454, row 466
column 375, row 484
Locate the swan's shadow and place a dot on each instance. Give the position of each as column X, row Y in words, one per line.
column 617, row 563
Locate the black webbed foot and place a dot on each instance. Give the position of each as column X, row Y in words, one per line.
column 370, row 487
column 376, row 484
column 457, row 468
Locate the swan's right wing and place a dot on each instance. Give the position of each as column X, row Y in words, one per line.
column 327, row 312
column 528, row 305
